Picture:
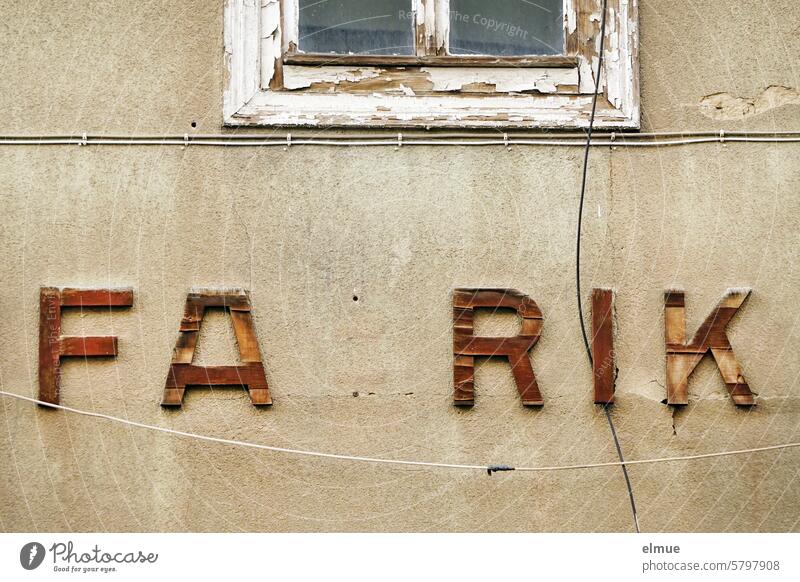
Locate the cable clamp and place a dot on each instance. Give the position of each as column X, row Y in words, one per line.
column 399, row 140
column 186, row 140
column 721, row 136
column 84, row 139
column 505, row 140
column 288, row 139
column 613, row 136
column 497, row 468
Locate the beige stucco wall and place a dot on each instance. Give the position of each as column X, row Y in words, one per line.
column 307, row 229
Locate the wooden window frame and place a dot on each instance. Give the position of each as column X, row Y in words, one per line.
column 269, row 82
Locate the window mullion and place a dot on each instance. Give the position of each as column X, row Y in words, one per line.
column 442, row 35
column 429, row 17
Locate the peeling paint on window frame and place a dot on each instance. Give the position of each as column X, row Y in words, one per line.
column 269, row 83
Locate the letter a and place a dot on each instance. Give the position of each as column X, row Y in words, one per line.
column 182, row 373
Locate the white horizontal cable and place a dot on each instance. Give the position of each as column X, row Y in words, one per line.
column 343, row 457
column 251, row 140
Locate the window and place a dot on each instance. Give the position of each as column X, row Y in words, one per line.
column 429, row 63
column 367, row 27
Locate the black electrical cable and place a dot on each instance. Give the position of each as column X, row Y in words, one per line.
column 578, row 256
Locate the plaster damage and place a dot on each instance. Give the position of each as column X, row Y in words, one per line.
column 724, row 106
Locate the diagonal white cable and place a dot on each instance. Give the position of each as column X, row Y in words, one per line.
column 357, row 458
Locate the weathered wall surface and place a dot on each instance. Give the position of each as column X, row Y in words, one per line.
column 309, row 229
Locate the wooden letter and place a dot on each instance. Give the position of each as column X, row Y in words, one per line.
column 182, row 373
column 466, row 345
column 53, row 346
column 682, row 358
column 603, row 345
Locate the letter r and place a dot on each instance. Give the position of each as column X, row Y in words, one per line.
column 466, row 345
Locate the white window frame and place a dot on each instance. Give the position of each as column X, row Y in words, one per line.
column 263, row 89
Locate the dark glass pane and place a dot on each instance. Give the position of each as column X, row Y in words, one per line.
column 375, row 27
column 506, row 27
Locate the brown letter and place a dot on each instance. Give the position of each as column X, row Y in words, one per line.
column 182, row 373
column 53, row 346
column 682, row 358
column 603, row 345
column 466, row 345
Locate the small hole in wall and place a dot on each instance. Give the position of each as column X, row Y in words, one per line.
column 355, row 297
column 194, row 124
